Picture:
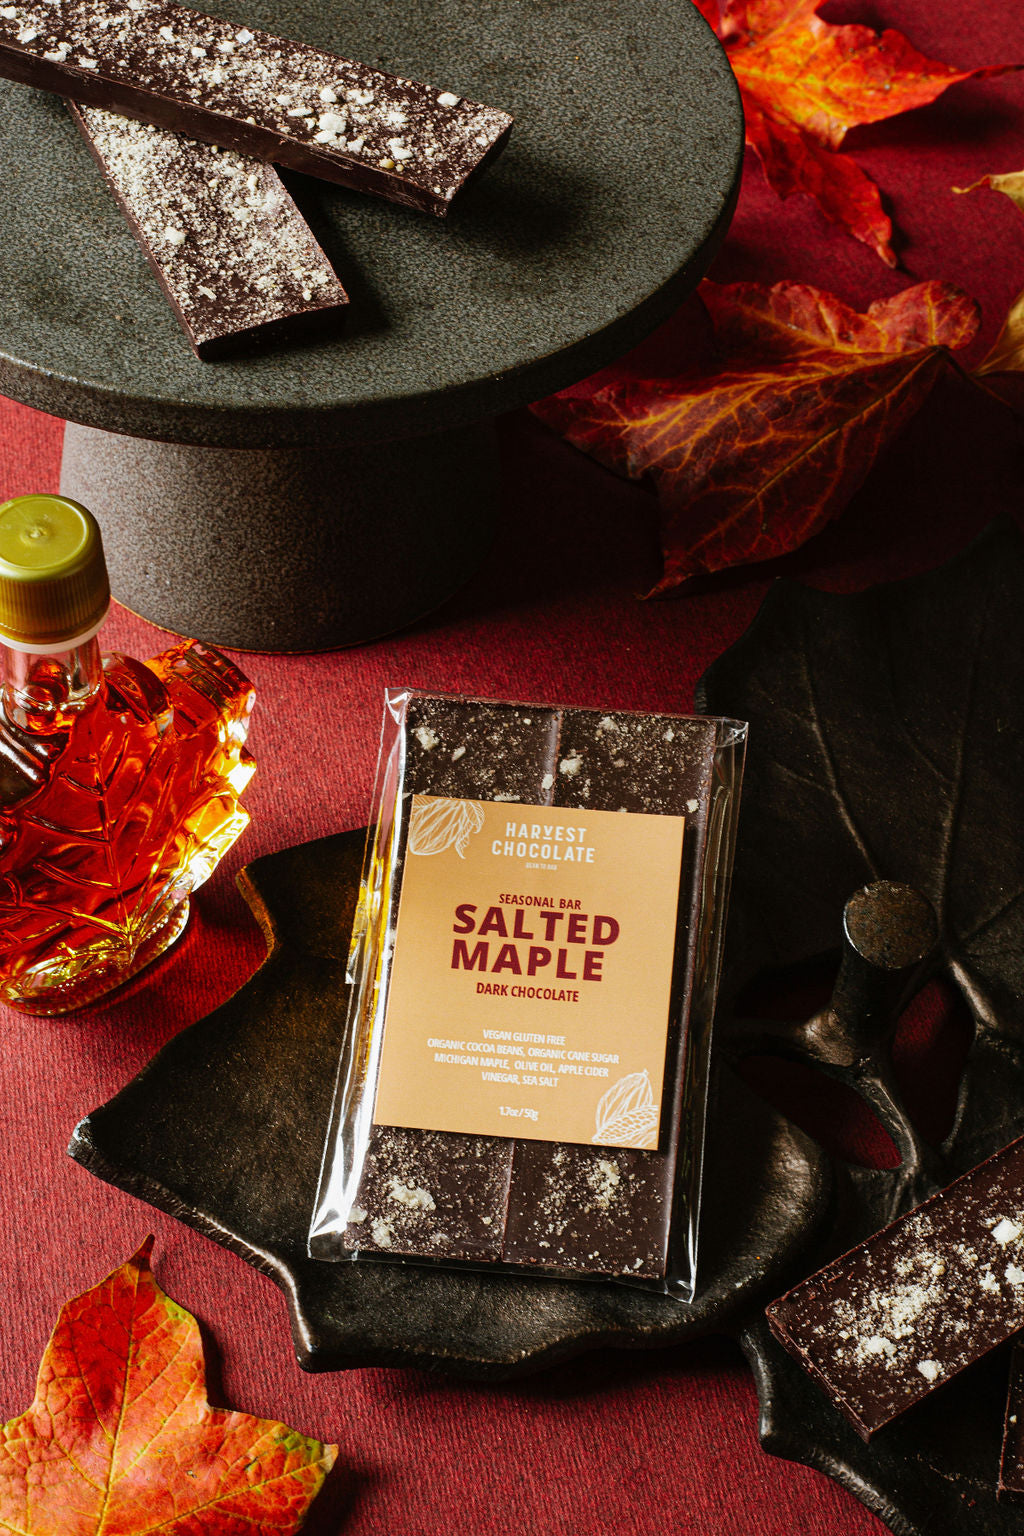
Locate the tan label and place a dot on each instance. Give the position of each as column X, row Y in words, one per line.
column 531, row 975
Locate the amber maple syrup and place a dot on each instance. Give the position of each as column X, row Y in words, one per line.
column 119, row 779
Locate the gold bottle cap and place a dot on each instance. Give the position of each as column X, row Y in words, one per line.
column 54, row 591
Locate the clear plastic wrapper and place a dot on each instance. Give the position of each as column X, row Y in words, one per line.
column 533, row 968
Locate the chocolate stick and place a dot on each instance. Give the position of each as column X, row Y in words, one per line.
column 231, row 251
column 919, row 1301
column 257, row 94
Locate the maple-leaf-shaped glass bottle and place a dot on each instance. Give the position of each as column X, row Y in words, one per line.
column 119, row 779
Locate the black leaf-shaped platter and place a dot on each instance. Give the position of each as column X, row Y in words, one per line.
column 886, row 746
column 887, row 734
column 225, row 1129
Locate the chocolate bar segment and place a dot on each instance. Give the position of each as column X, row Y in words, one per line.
column 231, row 251
column 474, row 751
column 431, row 1194
column 658, row 764
column 589, row 1210
column 608, row 1210
column 260, row 95
column 918, row 1302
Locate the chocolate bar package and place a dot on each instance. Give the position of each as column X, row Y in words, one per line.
column 533, row 975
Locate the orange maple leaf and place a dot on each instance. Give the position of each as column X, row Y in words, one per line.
column 805, row 82
column 752, row 457
column 121, row 1439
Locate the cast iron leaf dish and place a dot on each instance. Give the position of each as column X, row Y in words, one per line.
column 236, row 1154
column 887, row 732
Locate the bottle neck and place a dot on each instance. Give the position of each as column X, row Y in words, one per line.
column 44, row 692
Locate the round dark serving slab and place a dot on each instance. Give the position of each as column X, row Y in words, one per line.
column 603, row 212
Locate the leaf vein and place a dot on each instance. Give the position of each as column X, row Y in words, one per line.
column 832, row 767
column 196, row 1509
column 953, row 818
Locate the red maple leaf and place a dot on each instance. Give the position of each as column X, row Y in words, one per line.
column 121, row 1440
column 805, row 82
column 753, row 456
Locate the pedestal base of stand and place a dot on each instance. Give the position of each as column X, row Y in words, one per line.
column 286, row 549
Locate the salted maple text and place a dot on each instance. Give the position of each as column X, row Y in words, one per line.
column 530, row 951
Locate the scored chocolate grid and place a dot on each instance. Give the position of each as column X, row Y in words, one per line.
column 562, row 1207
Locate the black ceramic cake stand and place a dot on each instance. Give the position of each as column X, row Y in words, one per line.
column 328, row 492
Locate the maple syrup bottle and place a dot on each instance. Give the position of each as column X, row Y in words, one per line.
column 119, row 780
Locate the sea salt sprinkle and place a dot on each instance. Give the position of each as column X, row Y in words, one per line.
column 412, row 1196
column 917, row 1302
column 181, row 68
column 405, row 1207
column 227, row 243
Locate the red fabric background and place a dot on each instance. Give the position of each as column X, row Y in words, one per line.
column 614, row 1444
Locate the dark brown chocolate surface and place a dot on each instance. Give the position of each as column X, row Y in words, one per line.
column 252, row 92
column 643, row 763
column 431, row 1193
column 569, row 1208
column 919, row 1301
column 589, row 1210
column 480, row 751
column 237, row 261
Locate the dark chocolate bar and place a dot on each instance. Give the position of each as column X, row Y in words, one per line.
column 574, row 1209
column 1011, row 1465
column 231, row 251
column 918, row 1302
column 608, row 1210
column 257, row 94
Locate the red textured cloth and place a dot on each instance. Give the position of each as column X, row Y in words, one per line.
column 615, row 1444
